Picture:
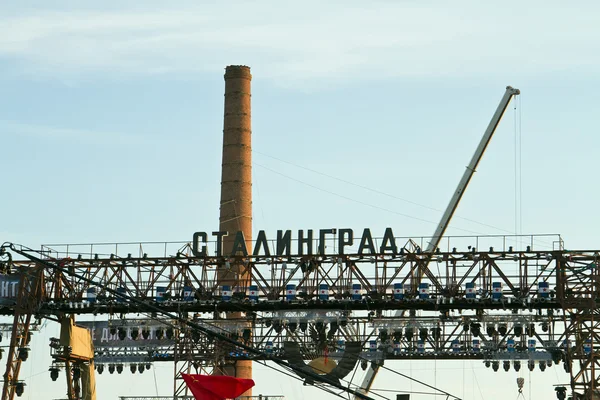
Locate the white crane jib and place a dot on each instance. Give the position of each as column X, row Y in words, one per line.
column 464, row 181
column 453, row 204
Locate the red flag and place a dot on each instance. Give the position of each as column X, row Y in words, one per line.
column 216, row 387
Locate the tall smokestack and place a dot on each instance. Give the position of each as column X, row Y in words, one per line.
column 236, row 184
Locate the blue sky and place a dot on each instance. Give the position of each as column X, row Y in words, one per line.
column 111, row 121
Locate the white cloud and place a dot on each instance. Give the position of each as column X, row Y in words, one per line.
column 307, row 41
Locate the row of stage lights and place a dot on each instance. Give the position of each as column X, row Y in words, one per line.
column 23, row 355
column 54, row 370
column 303, row 326
column 542, row 364
column 160, row 333
column 519, row 329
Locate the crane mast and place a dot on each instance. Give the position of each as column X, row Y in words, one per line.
column 453, row 204
column 471, row 168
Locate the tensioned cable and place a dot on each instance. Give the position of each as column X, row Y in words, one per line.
column 349, row 382
column 25, row 252
column 420, row 382
column 520, row 169
column 170, row 316
column 358, row 201
column 261, row 362
column 368, row 204
column 377, row 191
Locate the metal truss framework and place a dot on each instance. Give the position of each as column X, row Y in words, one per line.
column 496, row 322
column 29, row 295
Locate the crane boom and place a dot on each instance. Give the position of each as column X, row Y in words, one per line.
column 453, row 204
column 466, row 178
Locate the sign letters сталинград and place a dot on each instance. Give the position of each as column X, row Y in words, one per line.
column 305, row 243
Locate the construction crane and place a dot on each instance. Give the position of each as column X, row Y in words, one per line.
column 454, row 201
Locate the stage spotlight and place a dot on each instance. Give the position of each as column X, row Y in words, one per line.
column 19, row 389
column 170, row 333
column 517, row 365
column 518, row 330
column 54, row 373
column 502, row 329
column 303, row 326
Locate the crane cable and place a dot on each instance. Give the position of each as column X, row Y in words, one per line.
column 420, row 382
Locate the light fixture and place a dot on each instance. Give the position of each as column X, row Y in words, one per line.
column 364, row 364
column 19, row 389
column 561, row 392
column 119, row 368
column 476, row 329
column 100, row 369
column 133, row 368
column 54, row 373
column 517, row 365
column 502, row 329
column 23, row 354
column 531, row 330
column 111, row 368
column 506, row 365
column 170, row 333
column 518, row 330
column 383, row 335
column 333, row 327
column 141, row 368
column 495, row 366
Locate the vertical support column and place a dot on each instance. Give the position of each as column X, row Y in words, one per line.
column 236, row 185
column 28, row 297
